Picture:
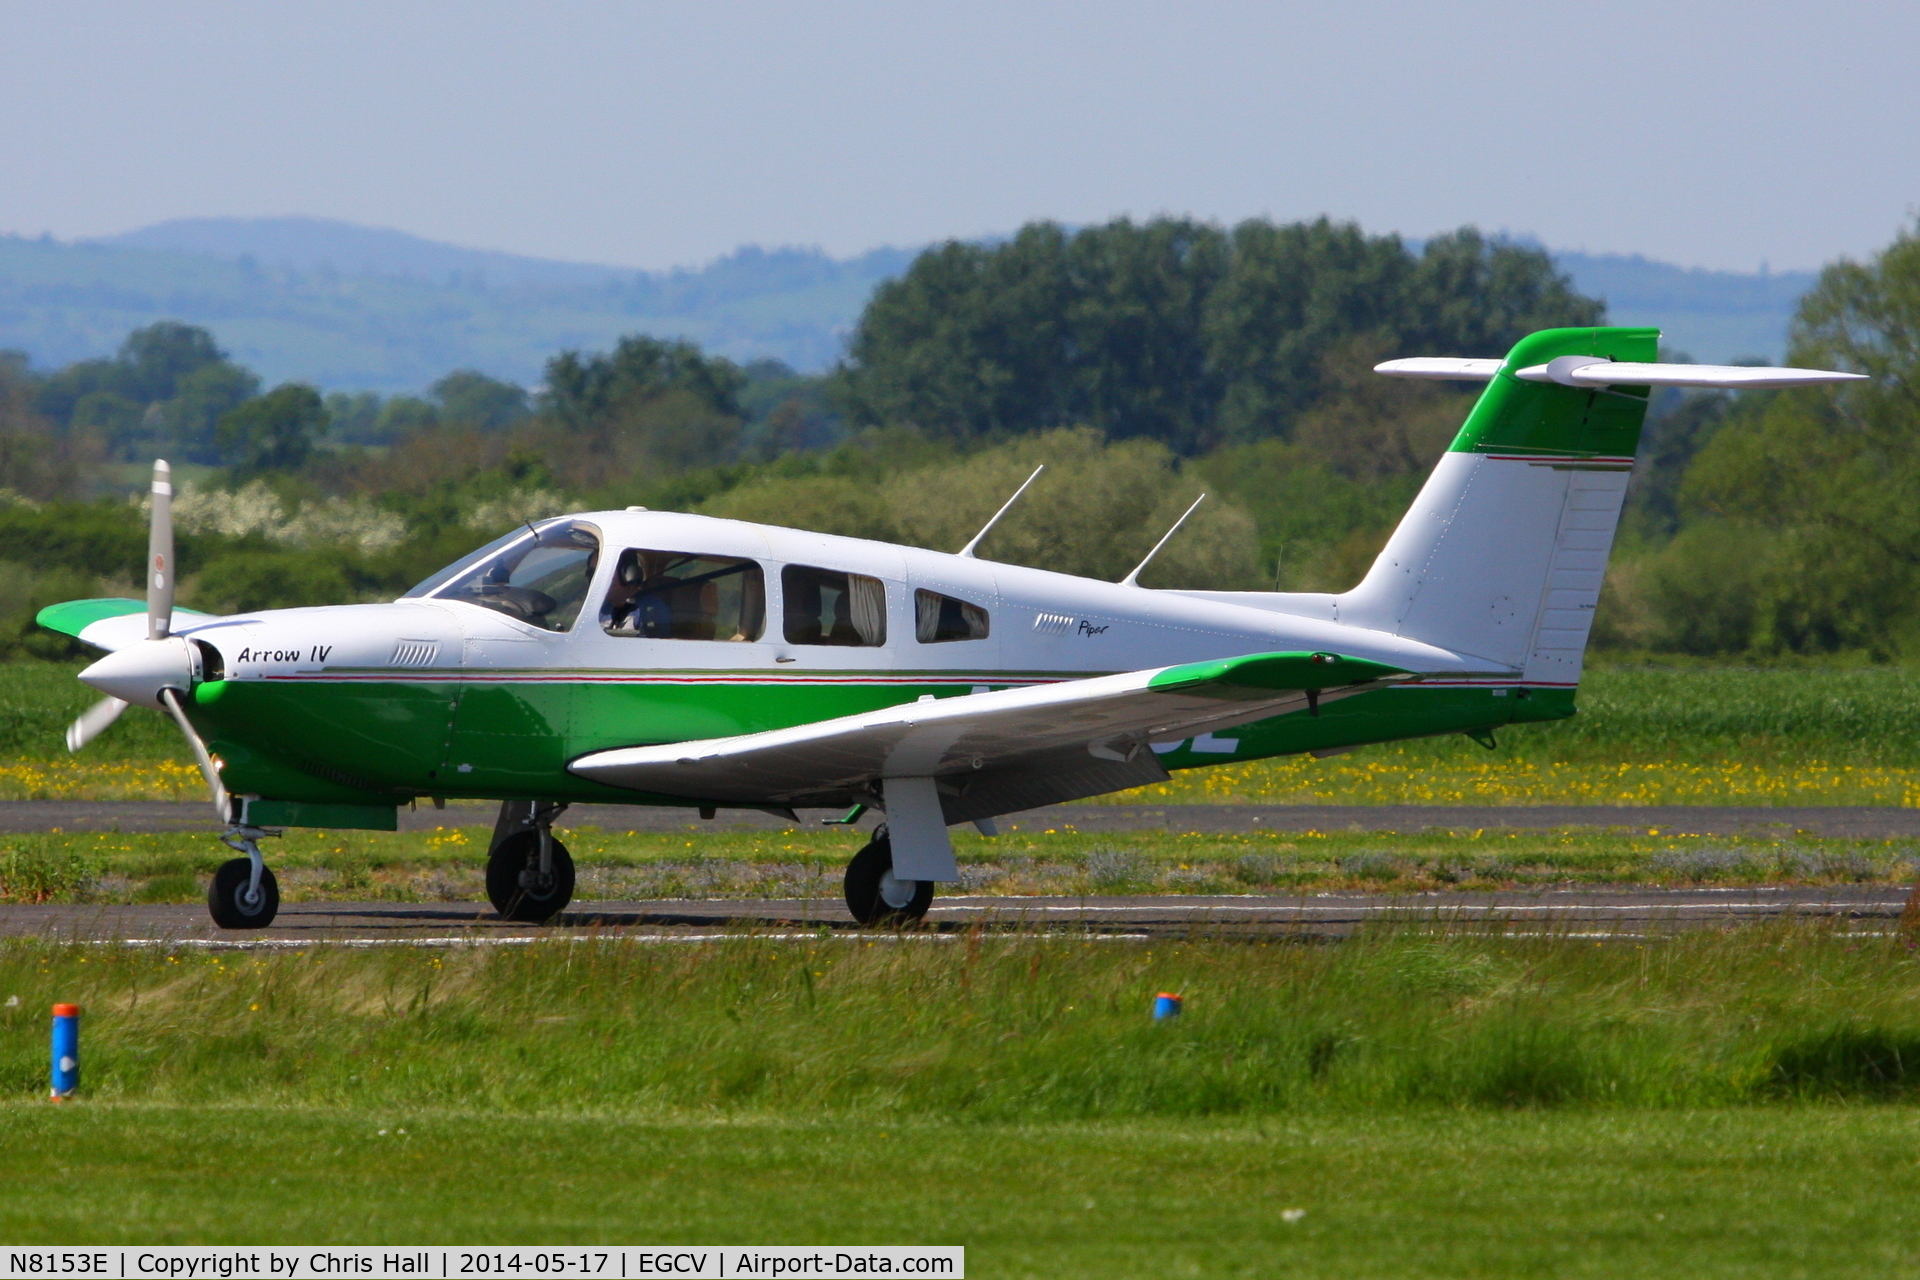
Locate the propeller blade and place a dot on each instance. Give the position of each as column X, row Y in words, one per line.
column 160, row 555
column 218, row 789
column 92, row 721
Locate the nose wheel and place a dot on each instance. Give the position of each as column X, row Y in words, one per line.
column 244, row 894
column 875, row 895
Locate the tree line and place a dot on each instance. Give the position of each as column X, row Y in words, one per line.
column 1148, row 361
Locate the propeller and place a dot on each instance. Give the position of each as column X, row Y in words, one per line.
column 159, row 670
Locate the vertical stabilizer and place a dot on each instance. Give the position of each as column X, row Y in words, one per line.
column 1502, row 554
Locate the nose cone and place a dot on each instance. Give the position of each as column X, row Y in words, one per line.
column 140, row 671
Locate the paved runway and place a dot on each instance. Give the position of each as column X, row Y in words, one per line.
column 1858, row 821
column 1627, row 911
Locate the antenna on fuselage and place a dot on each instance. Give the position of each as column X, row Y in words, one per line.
column 988, row 527
column 1131, row 580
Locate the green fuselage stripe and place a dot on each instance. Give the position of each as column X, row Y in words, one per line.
column 366, row 739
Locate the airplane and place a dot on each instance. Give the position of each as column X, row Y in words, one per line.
column 656, row 658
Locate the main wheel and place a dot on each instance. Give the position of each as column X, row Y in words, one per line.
column 875, row 895
column 515, row 885
column 232, row 906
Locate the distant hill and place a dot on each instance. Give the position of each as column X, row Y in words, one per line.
column 1714, row 316
column 350, row 307
column 346, row 248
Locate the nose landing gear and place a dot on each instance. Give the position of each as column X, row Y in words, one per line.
column 244, row 894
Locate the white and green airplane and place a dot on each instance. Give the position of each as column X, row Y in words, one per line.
column 653, row 658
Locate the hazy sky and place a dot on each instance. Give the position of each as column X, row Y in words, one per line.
column 652, row 135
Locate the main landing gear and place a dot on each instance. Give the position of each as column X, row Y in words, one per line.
column 875, row 895
column 244, row 894
column 529, row 872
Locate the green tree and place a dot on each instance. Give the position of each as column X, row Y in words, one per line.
column 1175, row 330
column 587, row 392
column 272, row 432
column 471, row 398
column 1816, row 484
column 166, row 389
column 1098, row 509
column 200, row 399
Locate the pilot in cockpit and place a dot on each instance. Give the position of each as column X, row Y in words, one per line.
column 673, row 596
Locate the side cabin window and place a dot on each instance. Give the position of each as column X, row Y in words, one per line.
column 541, row 578
column 826, row 606
column 677, row 595
column 937, row 618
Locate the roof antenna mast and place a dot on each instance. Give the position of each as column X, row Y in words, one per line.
column 1005, row 507
column 1132, row 579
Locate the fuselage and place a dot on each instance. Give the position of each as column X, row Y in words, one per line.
column 462, row 692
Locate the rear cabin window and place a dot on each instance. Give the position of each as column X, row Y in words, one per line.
column 937, row 618
column 676, row 595
column 826, row 606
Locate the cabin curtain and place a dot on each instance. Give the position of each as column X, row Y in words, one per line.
column 867, row 601
column 926, row 616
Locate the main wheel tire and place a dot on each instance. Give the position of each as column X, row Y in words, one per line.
column 530, row 903
column 876, row 896
column 228, row 901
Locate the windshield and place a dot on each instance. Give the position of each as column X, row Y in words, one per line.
column 433, row 581
column 541, row 578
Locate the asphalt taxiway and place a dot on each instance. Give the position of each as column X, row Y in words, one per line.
column 1628, row 911
column 1865, row 822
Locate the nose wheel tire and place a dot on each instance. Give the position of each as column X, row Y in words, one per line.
column 231, row 903
column 517, row 889
column 876, row 896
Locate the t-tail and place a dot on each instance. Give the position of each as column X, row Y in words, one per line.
column 1502, row 556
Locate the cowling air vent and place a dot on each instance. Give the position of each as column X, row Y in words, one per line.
column 414, row 653
column 1052, row 624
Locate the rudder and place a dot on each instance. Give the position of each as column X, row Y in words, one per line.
column 1503, row 553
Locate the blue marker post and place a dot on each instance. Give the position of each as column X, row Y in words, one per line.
column 66, row 1051
column 1166, row 1005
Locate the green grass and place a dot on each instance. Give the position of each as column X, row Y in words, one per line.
column 449, row 865
column 989, row 1028
column 1450, row 1104
column 38, row 700
column 1810, row 1191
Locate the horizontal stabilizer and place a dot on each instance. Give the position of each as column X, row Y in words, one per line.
column 1592, row 371
column 1451, row 368
column 1580, row 371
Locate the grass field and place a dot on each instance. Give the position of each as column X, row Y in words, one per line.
column 1449, row 1104
column 1695, row 735
column 449, row 865
column 1808, row 1191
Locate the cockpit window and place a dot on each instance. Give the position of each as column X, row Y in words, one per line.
column 433, row 582
column 826, row 606
column 937, row 618
column 540, row 577
column 673, row 595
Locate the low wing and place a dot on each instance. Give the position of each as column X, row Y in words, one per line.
column 993, row 752
column 109, row 624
